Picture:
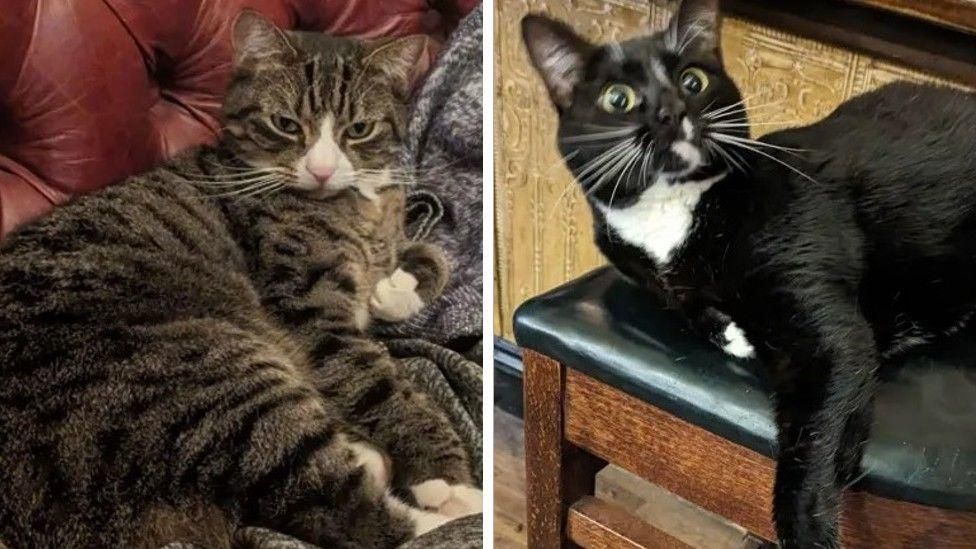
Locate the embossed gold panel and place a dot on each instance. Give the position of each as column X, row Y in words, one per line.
column 543, row 234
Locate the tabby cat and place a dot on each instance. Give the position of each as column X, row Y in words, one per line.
column 824, row 251
column 187, row 352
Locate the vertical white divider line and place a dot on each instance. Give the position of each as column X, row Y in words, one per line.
column 488, row 279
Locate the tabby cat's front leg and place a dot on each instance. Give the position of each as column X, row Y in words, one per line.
column 429, row 460
column 419, row 278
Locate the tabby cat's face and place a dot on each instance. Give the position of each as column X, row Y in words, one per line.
column 642, row 111
column 324, row 114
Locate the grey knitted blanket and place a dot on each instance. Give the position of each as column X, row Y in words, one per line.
column 444, row 147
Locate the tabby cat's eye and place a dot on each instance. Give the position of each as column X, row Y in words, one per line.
column 285, row 124
column 617, row 99
column 360, row 130
column 693, row 80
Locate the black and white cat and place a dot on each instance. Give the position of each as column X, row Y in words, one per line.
column 833, row 246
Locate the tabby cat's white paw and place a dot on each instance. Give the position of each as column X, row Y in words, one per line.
column 395, row 297
column 456, row 500
column 423, row 521
column 373, row 462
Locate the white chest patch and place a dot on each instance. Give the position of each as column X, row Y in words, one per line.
column 661, row 219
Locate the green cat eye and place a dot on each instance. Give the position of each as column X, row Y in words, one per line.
column 285, row 124
column 360, row 130
column 693, row 80
column 617, row 99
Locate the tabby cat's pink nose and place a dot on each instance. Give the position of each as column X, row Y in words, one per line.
column 321, row 173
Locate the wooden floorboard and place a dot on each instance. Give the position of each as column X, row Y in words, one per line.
column 509, row 482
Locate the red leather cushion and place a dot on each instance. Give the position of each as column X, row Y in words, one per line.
column 92, row 91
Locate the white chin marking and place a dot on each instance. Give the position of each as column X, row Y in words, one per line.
column 736, row 343
column 687, row 128
column 689, row 153
column 325, row 151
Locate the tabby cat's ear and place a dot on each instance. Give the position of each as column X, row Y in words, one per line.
column 557, row 53
column 257, row 41
column 696, row 24
column 402, row 60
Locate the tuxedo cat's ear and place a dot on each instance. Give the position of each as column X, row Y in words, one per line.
column 558, row 55
column 257, row 40
column 695, row 24
column 402, row 60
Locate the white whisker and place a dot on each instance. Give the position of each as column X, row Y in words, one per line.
column 758, row 143
column 617, row 166
column 767, row 155
column 737, row 108
column 569, row 185
column 594, row 163
column 601, row 136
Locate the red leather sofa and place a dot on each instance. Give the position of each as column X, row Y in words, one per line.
column 92, row 91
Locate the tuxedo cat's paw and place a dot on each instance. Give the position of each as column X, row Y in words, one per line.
column 395, row 297
column 735, row 342
column 457, row 500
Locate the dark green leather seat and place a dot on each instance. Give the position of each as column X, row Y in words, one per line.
column 923, row 445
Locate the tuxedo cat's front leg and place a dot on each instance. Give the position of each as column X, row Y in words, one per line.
column 823, row 398
column 721, row 330
column 419, row 279
column 856, row 433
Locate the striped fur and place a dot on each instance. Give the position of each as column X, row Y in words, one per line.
column 175, row 365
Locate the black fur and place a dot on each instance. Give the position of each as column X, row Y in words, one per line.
column 863, row 246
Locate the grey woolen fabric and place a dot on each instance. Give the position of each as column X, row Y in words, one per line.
column 444, row 146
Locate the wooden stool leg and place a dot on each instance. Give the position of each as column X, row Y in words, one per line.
column 557, row 473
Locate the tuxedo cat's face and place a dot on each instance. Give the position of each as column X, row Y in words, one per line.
column 641, row 111
column 315, row 113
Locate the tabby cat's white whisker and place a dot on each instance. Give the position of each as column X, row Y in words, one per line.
column 244, row 174
column 234, row 183
column 226, row 167
column 260, row 191
column 245, row 189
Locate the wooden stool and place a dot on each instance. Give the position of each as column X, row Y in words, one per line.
column 608, row 378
